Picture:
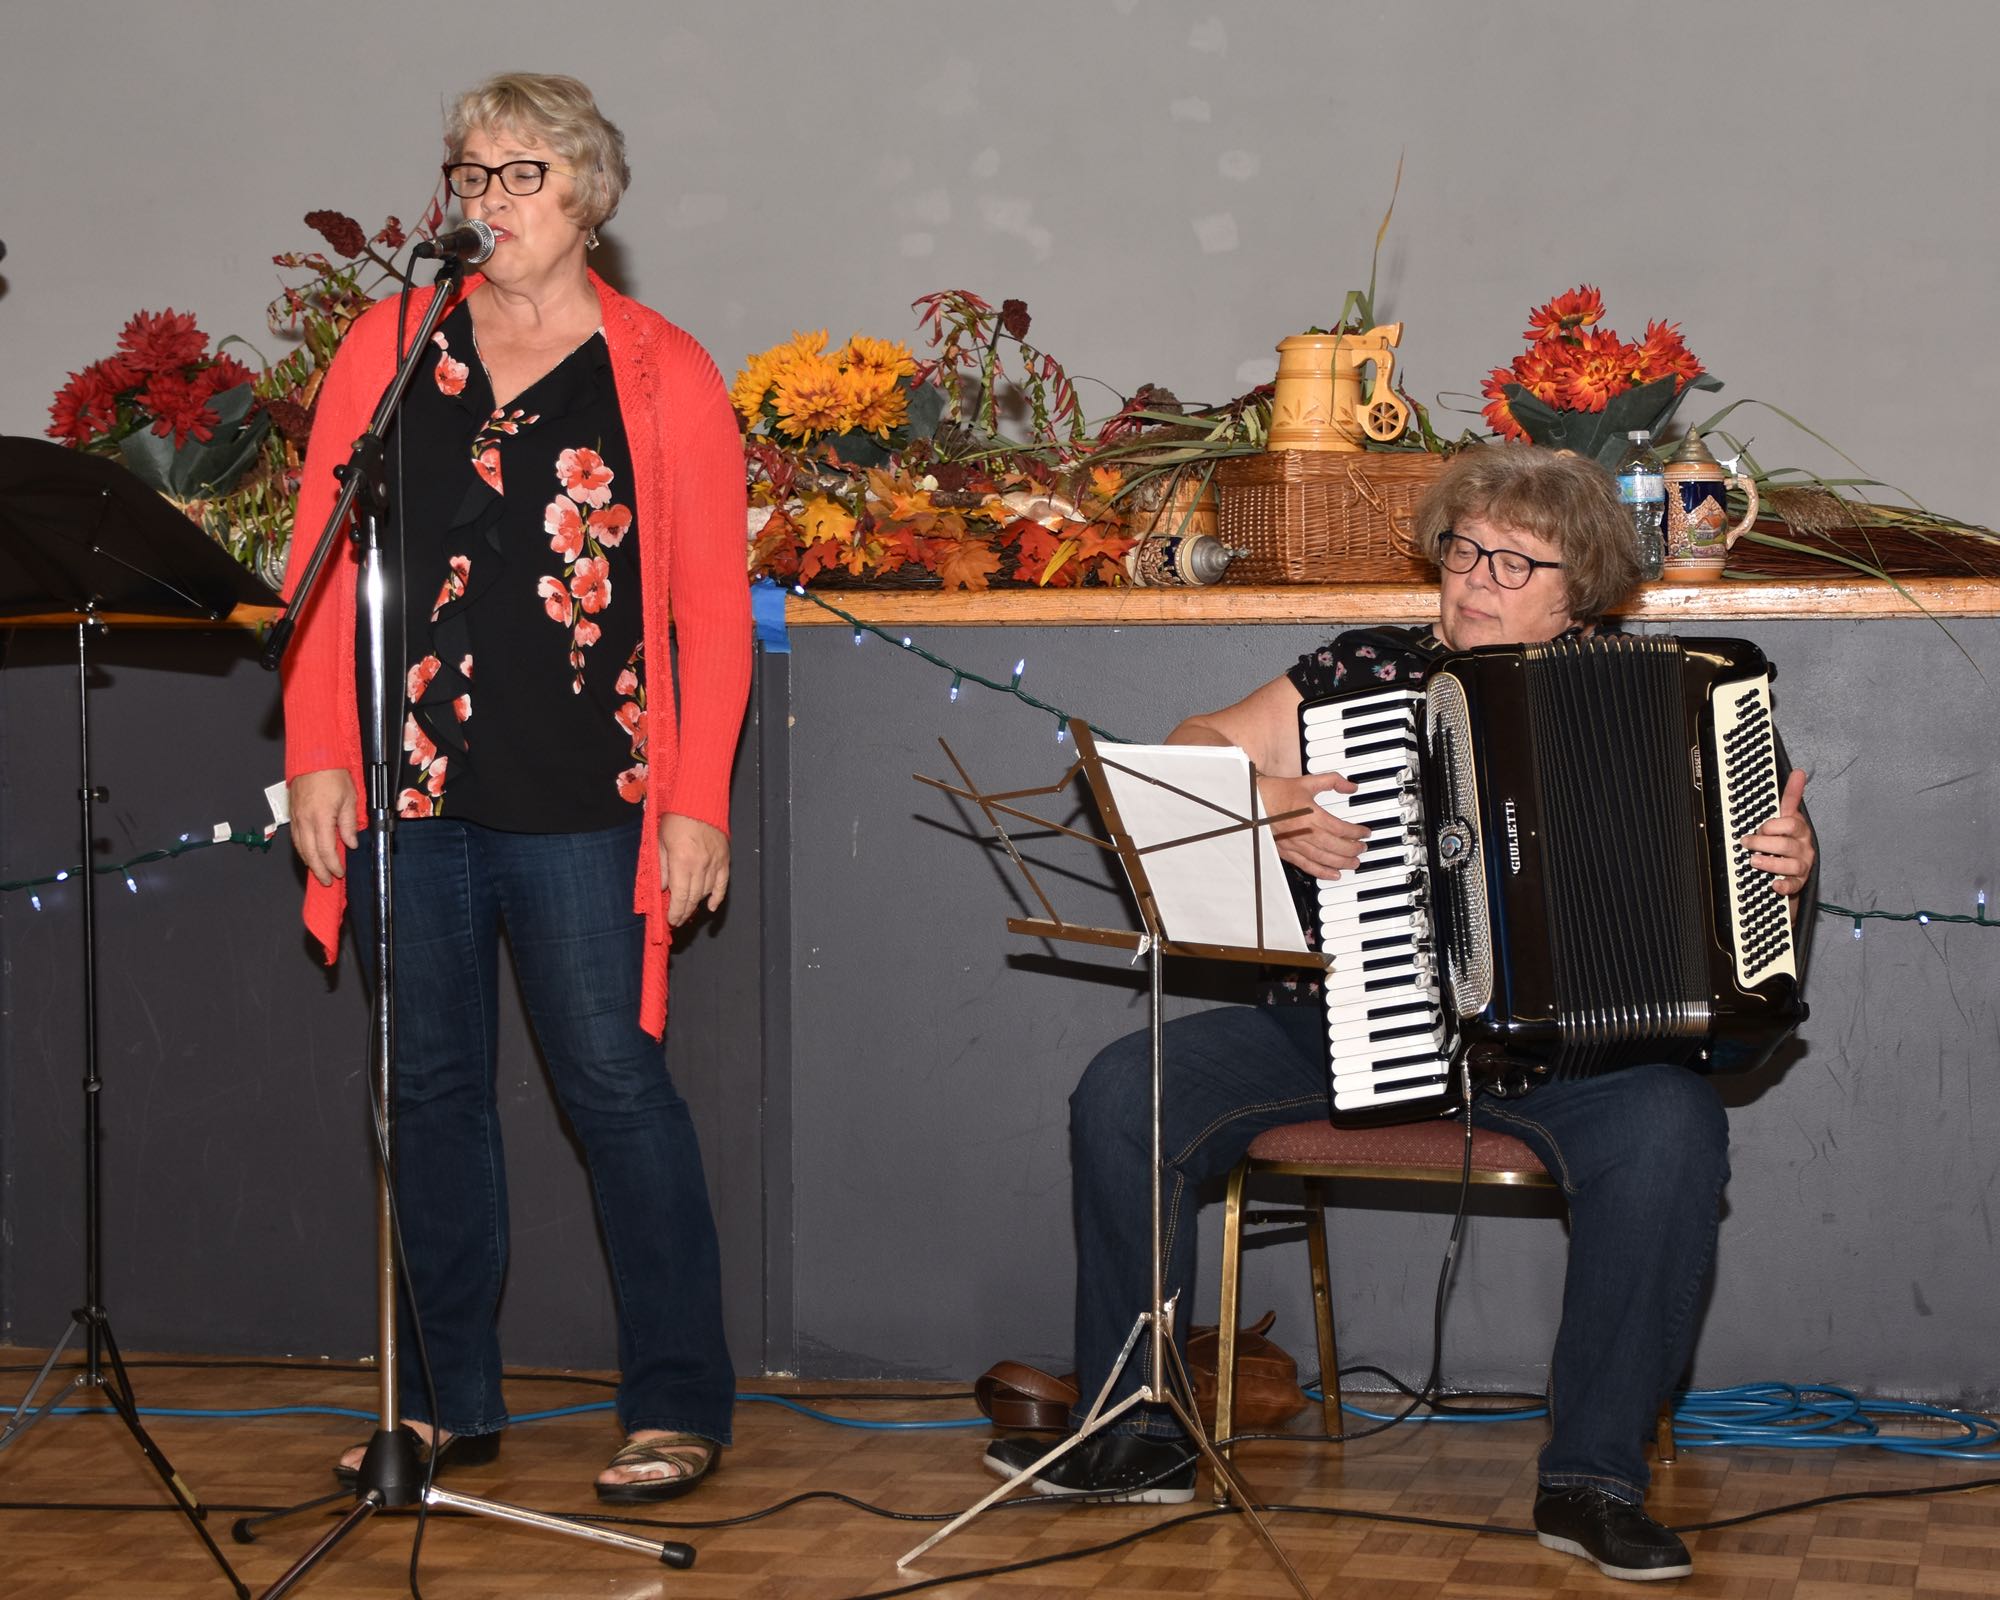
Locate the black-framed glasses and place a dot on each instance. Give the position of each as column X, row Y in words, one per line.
column 468, row 179
column 1510, row 568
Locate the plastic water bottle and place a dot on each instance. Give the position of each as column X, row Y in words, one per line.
column 1643, row 493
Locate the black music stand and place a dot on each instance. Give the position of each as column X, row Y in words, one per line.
column 85, row 544
column 1168, row 1383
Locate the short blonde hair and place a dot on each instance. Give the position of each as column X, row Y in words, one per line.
column 558, row 112
column 1563, row 498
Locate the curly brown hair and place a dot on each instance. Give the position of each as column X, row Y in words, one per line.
column 558, row 112
column 1555, row 495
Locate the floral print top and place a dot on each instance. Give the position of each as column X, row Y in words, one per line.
column 1357, row 659
column 524, row 679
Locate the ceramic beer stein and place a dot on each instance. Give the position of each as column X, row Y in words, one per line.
column 1698, row 534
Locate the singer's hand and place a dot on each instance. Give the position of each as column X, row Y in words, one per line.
column 1317, row 843
column 694, row 866
column 323, row 828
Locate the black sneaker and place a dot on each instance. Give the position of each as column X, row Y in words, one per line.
column 1618, row 1536
column 1105, row 1467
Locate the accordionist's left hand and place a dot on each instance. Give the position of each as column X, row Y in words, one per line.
column 1784, row 846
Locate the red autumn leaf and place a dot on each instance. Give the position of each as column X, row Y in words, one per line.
column 1102, row 539
column 1035, row 542
column 818, row 558
column 776, row 547
column 900, row 548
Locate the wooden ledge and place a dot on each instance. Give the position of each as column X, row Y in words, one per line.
column 1728, row 599
column 244, row 616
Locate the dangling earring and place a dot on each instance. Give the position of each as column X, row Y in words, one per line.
column 591, row 241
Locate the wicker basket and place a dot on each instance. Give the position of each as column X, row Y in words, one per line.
column 1325, row 516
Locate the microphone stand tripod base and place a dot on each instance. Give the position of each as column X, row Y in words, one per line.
column 392, row 1477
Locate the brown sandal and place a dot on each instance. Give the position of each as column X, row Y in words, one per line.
column 693, row 1457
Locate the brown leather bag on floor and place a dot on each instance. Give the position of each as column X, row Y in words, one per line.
column 1018, row 1397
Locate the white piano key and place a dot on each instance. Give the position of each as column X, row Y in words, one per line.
column 1405, row 1068
column 1355, row 1097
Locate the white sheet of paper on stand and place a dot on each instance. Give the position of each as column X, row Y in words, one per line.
column 1206, row 891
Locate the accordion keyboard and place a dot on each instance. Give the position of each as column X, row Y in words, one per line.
column 1385, row 1024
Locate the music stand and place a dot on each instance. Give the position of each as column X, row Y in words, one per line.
column 1168, row 1383
column 83, row 543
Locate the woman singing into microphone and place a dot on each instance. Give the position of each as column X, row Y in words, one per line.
column 571, row 477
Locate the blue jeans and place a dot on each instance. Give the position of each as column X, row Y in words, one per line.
column 566, row 900
column 1641, row 1156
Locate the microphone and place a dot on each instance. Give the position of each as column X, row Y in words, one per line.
column 469, row 242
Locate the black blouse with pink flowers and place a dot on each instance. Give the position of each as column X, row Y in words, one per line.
column 522, row 639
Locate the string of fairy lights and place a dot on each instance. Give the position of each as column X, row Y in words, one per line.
column 960, row 676
column 223, row 834
column 220, row 834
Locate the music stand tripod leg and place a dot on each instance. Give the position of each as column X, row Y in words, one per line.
column 1095, row 1421
column 116, row 1387
column 1179, row 1398
column 22, row 1420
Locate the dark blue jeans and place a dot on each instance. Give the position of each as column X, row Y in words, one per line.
column 566, row 901
column 1641, row 1156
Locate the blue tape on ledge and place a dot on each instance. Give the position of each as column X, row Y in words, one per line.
column 767, row 615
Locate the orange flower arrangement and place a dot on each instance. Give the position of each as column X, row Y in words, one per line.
column 867, row 465
column 1574, row 364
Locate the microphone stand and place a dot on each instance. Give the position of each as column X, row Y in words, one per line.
column 390, row 1475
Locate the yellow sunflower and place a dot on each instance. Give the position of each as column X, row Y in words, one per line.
column 880, row 402
column 884, row 356
column 752, row 384
column 811, row 398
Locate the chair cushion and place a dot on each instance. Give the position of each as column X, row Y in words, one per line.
column 1435, row 1143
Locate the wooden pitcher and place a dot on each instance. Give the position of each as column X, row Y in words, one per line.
column 1318, row 404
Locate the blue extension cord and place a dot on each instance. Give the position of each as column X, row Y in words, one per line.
column 1783, row 1416
column 1772, row 1416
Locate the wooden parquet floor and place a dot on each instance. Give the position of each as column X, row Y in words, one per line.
column 1939, row 1547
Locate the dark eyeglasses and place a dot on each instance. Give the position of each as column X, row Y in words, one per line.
column 468, row 179
column 1510, row 569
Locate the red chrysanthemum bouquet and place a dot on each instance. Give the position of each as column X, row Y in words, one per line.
column 181, row 416
column 1580, row 387
column 222, row 442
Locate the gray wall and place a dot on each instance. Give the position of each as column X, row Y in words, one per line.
column 1172, row 187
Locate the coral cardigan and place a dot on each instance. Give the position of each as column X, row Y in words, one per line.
column 688, row 487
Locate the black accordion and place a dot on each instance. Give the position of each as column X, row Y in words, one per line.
column 1551, row 887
